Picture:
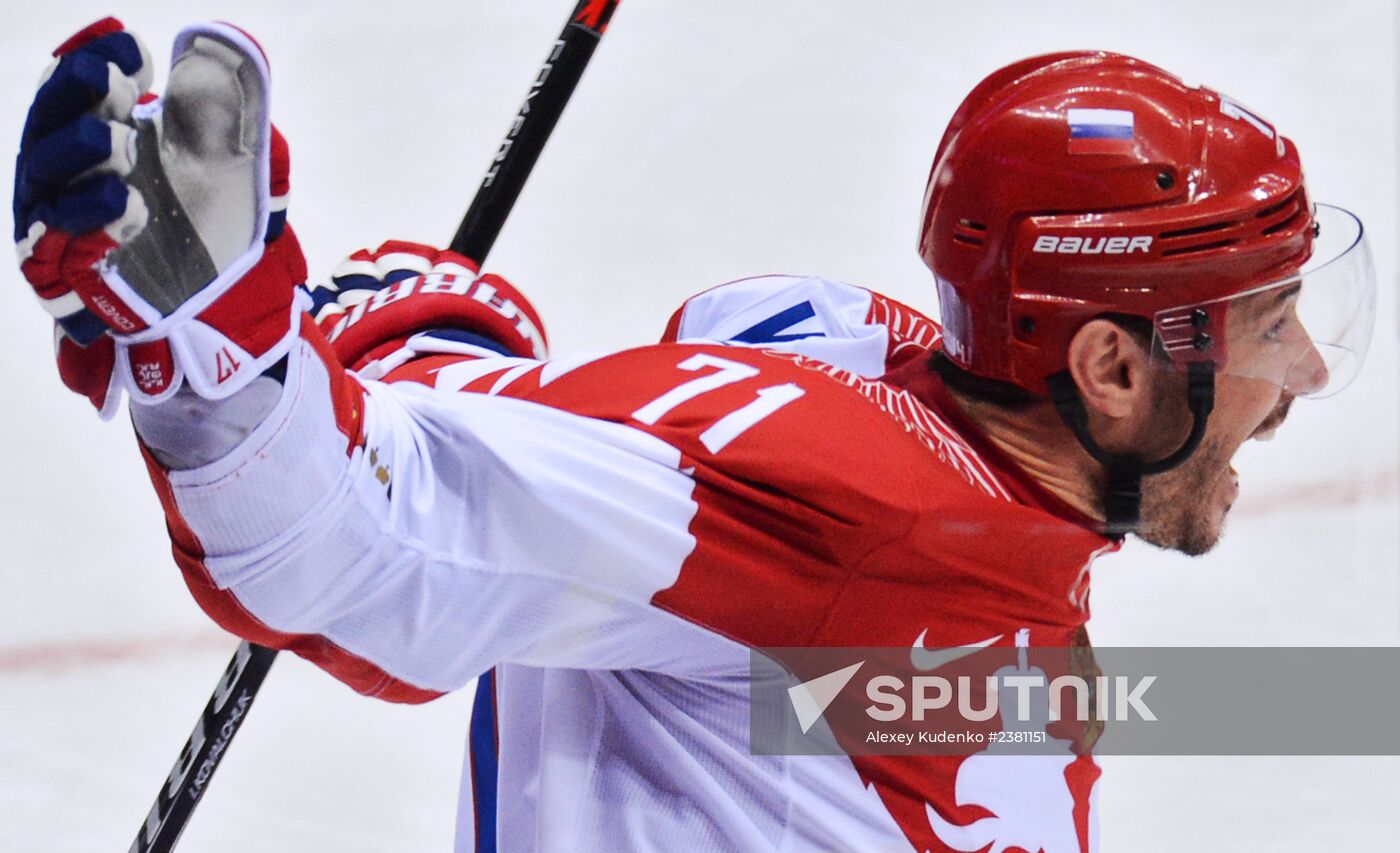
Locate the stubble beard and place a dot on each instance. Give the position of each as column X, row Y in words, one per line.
column 1179, row 511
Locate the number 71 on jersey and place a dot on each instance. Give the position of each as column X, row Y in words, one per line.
column 731, row 426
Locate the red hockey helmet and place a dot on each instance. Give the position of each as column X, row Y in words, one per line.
column 1074, row 185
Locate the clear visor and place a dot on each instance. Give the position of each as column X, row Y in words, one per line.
column 1307, row 333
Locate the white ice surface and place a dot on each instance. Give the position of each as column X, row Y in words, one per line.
column 707, row 141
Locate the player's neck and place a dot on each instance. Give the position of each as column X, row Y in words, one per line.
column 1039, row 444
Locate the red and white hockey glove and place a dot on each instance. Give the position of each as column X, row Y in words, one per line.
column 153, row 229
column 387, row 306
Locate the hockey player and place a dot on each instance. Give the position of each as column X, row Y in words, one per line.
column 1133, row 282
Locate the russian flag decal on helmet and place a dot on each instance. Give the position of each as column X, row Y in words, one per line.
column 1094, row 131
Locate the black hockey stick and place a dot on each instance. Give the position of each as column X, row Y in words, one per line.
column 213, row 732
column 527, row 135
column 234, row 694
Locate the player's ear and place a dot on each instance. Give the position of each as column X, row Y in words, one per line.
column 1110, row 367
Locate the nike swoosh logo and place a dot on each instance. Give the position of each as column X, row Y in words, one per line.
column 927, row 660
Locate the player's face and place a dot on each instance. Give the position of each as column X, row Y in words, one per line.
column 1184, row 509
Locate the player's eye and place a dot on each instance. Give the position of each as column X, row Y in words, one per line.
column 1275, row 332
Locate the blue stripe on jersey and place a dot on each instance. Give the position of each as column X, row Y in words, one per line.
column 768, row 330
column 484, row 761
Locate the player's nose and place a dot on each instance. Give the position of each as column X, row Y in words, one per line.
column 1309, row 374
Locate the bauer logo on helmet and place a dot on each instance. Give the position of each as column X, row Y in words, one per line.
column 1050, row 244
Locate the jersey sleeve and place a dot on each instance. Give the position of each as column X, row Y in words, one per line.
column 408, row 537
column 846, row 326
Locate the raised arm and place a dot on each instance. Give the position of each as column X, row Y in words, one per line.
column 403, row 537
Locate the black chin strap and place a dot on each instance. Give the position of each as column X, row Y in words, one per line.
column 1123, row 503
